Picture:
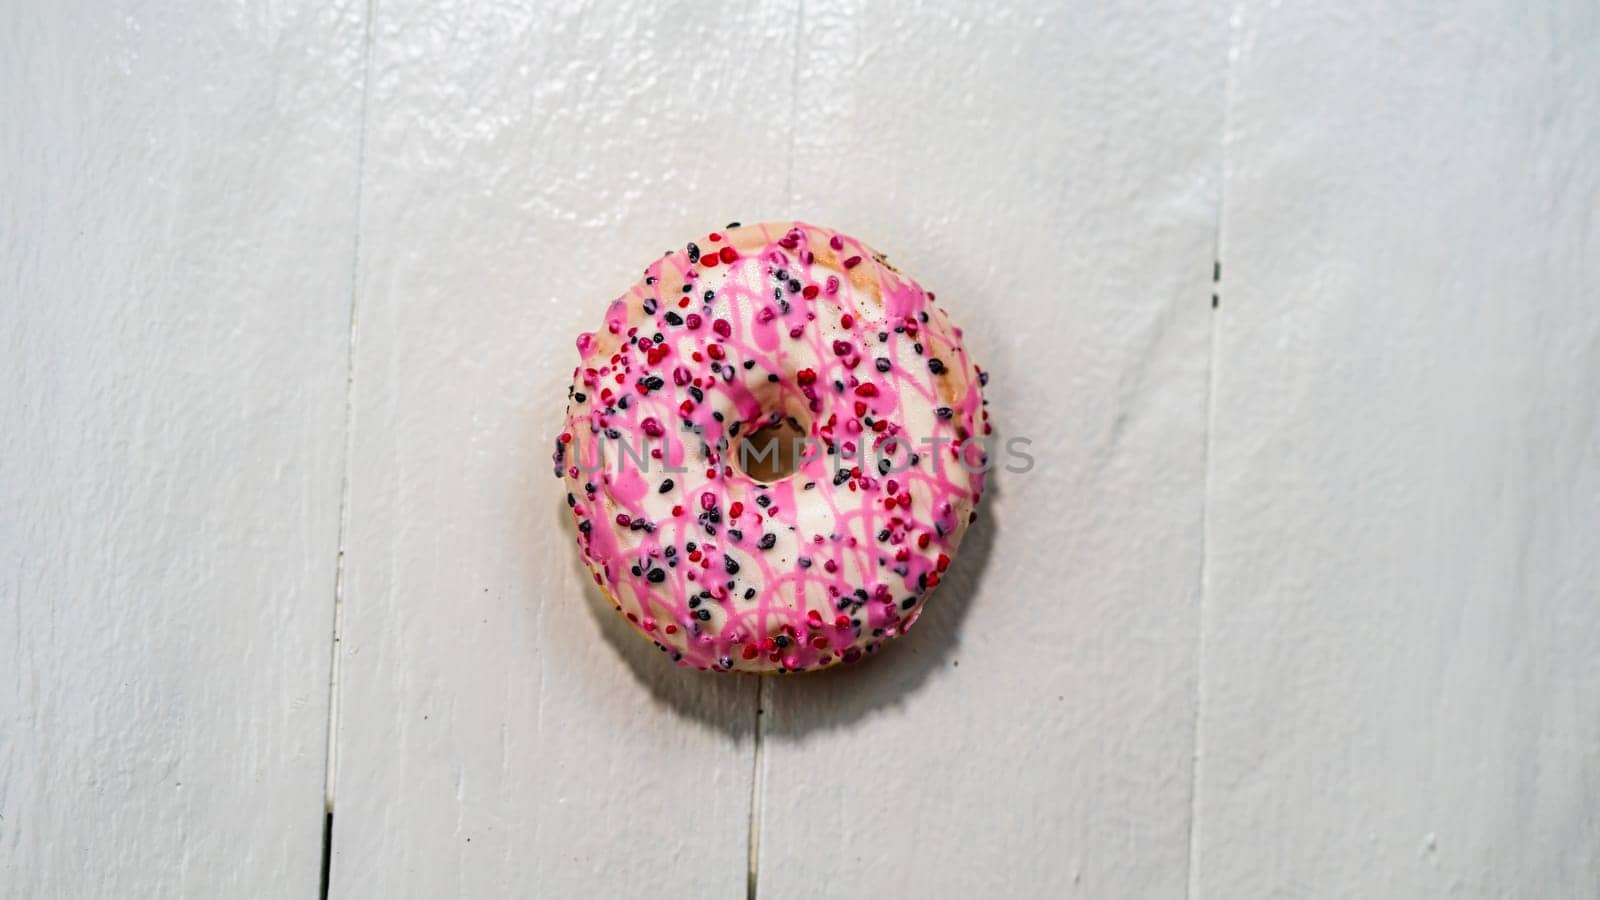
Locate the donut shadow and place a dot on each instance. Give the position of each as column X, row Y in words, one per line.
column 795, row 705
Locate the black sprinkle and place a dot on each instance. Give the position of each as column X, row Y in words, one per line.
column 666, row 485
column 673, row 318
column 767, row 541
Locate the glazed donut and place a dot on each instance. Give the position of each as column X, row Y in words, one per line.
column 761, row 329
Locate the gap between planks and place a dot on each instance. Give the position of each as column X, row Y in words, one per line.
column 331, row 762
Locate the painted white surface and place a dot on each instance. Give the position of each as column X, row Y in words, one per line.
column 176, row 221
column 1301, row 599
column 1032, row 736
column 1400, row 685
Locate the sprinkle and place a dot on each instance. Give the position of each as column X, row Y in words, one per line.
column 936, row 367
column 840, row 348
column 708, row 500
column 652, row 427
column 673, row 318
column 722, row 328
column 852, row 262
column 727, row 254
column 767, row 541
column 836, row 243
column 866, row 389
column 805, row 377
column 666, row 485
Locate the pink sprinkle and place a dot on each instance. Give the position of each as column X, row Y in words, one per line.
column 852, row 262
column 652, row 427
column 833, row 285
column 708, row 500
column 722, row 328
column 835, row 243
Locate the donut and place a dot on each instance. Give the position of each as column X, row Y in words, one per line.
column 772, row 330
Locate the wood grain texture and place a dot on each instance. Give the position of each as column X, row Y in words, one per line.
column 1400, row 682
column 1054, row 179
column 501, row 732
column 176, row 222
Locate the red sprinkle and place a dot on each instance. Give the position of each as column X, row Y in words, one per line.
column 806, row 376
column 852, row 262
column 810, row 292
column 847, row 320
column 728, row 254
column 722, row 328
column 735, row 510
column 867, row 389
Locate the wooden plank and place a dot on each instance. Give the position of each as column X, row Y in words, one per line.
column 1053, row 178
column 1400, row 681
column 500, row 730
column 176, row 220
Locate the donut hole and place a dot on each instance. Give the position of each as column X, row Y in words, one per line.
column 772, row 450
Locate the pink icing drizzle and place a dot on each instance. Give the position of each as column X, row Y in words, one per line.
column 847, row 563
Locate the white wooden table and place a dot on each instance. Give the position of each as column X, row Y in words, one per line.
column 1301, row 599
